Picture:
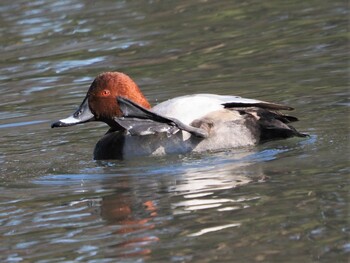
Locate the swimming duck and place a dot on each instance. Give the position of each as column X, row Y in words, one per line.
column 192, row 123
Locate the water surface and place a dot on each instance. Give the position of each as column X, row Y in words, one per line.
column 283, row 201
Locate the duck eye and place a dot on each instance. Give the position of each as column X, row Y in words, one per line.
column 105, row 92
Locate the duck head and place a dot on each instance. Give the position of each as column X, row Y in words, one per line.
column 100, row 103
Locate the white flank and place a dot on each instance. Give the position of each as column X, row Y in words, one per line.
column 191, row 107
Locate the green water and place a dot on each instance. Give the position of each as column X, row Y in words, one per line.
column 283, row 201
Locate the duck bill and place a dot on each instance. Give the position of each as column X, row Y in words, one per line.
column 82, row 115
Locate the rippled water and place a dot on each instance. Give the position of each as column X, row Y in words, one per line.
column 283, row 201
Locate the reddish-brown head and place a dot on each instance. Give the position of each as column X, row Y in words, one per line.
column 100, row 103
column 104, row 91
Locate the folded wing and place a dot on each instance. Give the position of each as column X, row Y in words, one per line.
column 273, row 124
column 140, row 121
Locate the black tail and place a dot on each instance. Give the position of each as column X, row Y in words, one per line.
column 275, row 125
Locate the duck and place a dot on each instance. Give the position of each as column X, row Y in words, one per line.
column 190, row 123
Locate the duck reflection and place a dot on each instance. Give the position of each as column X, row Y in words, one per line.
column 142, row 203
column 134, row 221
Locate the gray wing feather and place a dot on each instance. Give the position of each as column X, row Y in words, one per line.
column 140, row 121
